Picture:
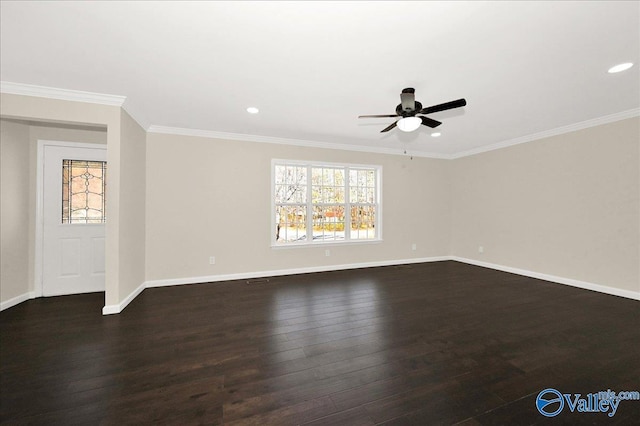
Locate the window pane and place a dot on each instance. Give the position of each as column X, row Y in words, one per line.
column 371, row 195
column 327, row 176
column 316, row 194
column 83, row 191
column 294, row 194
column 362, row 195
column 328, row 185
column 290, row 184
column 328, row 223
column 329, row 195
column 291, row 223
column 289, row 174
column 353, row 178
column 362, row 185
column 339, row 177
column 363, row 222
column 279, row 173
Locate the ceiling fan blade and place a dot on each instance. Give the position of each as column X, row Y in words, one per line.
column 389, row 127
column 430, row 122
column 378, row 116
column 443, row 107
column 408, row 99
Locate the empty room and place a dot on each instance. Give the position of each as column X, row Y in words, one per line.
column 319, row 213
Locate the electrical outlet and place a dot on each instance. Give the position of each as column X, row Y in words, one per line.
column 327, row 252
column 480, row 249
column 212, row 260
column 414, row 246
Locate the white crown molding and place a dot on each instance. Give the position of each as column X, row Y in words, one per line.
column 73, row 95
column 348, row 147
column 62, row 94
column 114, row 100
column 549, row 133
column 284, row 141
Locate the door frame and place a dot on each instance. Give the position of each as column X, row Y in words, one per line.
column 39, row 230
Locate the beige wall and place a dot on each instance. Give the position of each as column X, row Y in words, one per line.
column 210, row 197
column 132, row 206
column 566, row 206
column 14, row 210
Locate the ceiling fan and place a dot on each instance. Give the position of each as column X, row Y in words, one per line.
column 408, row 111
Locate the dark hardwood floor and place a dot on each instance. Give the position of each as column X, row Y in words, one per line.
column 435, row 343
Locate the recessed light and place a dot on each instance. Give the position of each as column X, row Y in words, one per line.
column 253, row 110
column 435, row 134
column 620, row 67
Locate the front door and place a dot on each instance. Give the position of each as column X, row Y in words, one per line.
column 74, row 199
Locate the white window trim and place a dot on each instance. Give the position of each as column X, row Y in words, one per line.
column 272, row 226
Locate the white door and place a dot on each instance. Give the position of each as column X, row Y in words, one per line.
column 73, row 219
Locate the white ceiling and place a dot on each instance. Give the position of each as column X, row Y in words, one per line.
column 525, row 68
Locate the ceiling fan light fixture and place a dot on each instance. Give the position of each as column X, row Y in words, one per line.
column 409, row 124
column 620, row 67
column 435, row 134
column 253, row 110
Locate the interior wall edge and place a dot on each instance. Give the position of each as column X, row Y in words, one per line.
column 635, row 295
column 116, row 309
column 17, row 300
column 294, row 271
column 328, row 268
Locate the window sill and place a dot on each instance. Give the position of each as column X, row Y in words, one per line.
column 325, row 244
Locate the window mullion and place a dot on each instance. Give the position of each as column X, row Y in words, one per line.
column 309, row 206
column 347, row 207
column 378, row 189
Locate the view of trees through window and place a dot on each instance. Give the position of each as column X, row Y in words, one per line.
column 329, row 202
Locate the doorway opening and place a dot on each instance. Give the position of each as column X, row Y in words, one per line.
column 70, row 218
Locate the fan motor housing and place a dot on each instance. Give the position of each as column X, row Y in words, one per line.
column 410, row 113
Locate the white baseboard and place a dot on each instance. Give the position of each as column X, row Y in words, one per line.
column 15, row 300
column 116, row 309
column 280, row 272
column 560, row 280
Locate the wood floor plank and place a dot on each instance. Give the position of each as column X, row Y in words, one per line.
column 354, row 417
column 433, row 343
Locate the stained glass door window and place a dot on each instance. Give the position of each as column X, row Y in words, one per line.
column 83, row 191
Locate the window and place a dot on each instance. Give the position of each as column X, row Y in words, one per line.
column 329, row 202
column 83, row 191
